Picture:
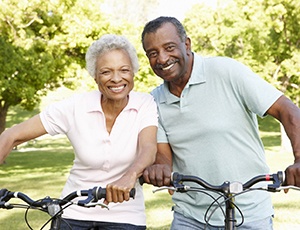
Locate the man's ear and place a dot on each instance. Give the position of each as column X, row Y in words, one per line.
column 188, row 44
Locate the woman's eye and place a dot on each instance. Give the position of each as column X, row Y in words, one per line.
column 105, row 73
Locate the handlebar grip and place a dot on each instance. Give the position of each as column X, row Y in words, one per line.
column 174, row 176
column 100, row 193
column 281, row 176
column 3, row 191
column 132, row 193
column 141, row 180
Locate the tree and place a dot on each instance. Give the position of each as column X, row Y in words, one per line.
column 42, row 46
column 263, row 34
column 131, row 25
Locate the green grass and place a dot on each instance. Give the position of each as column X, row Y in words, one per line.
column 40, row 168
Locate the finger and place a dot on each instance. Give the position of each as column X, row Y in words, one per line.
column 108, row 198
column 290, row 179
column 115, row 195
column 167, row 176
column 127, row 195
column 171, row 192
column 160, row 177
column 105, row 202
column 153, row 175
column 146, row 176
column 120, row 196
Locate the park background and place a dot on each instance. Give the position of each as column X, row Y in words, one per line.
column 42, row 48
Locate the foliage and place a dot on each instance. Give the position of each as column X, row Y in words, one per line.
column 263, row 34
column 43, row 44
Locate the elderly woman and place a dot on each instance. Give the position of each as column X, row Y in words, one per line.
column 113, row 134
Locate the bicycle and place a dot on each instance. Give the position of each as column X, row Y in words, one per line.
column 54, row 207
column 228, row 191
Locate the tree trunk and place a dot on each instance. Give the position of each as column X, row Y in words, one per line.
column 3, row 114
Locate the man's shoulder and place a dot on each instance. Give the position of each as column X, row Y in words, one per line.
column 221, row 61
column 158, row 92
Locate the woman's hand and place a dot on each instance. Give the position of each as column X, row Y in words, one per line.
column 119, row 190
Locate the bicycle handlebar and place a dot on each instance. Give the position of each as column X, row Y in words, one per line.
column 228, row 191
column 228, row 187
column 93, row 195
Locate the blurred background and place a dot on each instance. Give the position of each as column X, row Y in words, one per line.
column 42, row 50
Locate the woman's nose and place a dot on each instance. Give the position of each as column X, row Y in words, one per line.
column 116, row 76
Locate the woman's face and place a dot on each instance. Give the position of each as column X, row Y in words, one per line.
column 114, row 75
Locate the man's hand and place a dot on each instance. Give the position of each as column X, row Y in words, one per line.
column 158, row 175
column 292, row 175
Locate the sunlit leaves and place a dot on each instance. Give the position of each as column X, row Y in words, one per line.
column 264, row 34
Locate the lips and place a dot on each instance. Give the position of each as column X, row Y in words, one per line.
column 167, row 66
column 116, row 89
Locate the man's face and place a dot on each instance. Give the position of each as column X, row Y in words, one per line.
column 168, row 55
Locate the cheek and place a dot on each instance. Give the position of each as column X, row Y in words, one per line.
column 152, row 62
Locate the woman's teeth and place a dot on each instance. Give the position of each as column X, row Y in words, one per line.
column 117, row 89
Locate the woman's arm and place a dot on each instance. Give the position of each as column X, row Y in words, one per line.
column 25, row 131
column 118, row 191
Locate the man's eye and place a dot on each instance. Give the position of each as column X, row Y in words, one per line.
column 152, row 54
column 170, row 48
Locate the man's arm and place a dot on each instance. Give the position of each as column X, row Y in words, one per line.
column 288, row 114
column 159, row 173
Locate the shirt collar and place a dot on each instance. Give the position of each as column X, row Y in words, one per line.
column 197, row 77
column 94, row 102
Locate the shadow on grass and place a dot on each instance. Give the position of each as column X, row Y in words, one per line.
column 164, row 227
column 268, row 124
column 270, row 131
column 36, row 219
column 271, row 140
column 35, row 161
column 16, row 114
column 160, row 201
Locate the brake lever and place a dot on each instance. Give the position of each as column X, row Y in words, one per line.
column 164, row 188
column 288, row 187
column 94, row 204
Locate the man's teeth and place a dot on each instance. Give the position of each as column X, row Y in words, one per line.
column 168, row 67
column 117, row 88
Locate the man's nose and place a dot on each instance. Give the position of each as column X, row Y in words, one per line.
column 163, row 57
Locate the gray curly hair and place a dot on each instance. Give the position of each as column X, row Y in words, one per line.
column 106, row 43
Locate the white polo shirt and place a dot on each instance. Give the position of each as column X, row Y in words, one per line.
column 100, row 157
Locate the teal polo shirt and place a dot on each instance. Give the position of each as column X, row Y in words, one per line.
column 213, row 132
